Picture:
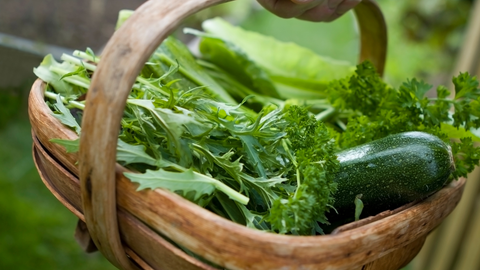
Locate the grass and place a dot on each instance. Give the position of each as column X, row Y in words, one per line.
column 36, row 231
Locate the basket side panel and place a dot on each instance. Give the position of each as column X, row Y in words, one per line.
column 150, row 246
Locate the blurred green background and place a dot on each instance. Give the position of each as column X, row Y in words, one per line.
column 36, row 231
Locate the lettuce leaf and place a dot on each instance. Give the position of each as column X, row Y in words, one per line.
column 288, row 65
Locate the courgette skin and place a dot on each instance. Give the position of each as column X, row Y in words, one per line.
column 391, row 172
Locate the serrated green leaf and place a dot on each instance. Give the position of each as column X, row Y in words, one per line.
column 183, row 182
column 466, row 86
column 187, row 182
column 416, row 87
column 71, row 146
column 191, row 74
column 65, row 116
column 129, row 154
column 442, row 92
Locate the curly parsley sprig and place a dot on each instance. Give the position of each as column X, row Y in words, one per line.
column 315, row 167
column 377, row 110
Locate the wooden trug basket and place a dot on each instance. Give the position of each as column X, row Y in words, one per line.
column 131, row 228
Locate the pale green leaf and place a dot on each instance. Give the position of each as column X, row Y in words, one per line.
column 287, row 60
column 71, row 146
column 182, row 182
column 123, row 15
column 232, row 59
column 186, row 183
column 44, row 72
column 65, row 116
column 460, row 132
column 129, row 154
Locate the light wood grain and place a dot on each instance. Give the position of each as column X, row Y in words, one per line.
column 373, row 34
column 397, row 259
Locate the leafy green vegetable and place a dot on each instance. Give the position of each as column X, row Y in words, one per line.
column 378, row 110
column 315, row 165
column 192, row 185
column 70, row 146
column 190, row 143
column 46, row 72
column 191, row 74
column 65, row 116
column 250, row 132
column 131, row 154
column 289, row 66
column 233, row 60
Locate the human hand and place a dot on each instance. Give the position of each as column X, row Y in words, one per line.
column 310, row 10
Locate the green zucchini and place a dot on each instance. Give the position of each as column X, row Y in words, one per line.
column 391, row 172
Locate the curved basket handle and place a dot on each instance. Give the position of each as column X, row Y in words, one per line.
column 123, row 57
column 373, row 34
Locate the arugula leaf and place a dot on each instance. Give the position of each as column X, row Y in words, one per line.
column 192, row 185
column 126, row 153
column 65, row 116
column 195, row 186
column 129, row 154
column 191, row 74
column 71, row 146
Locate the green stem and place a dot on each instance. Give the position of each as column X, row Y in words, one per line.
column 167, row 60
column 86, row 56
column 73, row 79
column 78, row 62
column 442, row 99
column 340, row 124
column 149, row 84
column 230, row 192
column 299, row 182
column 73, row 103
column 325, row 114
